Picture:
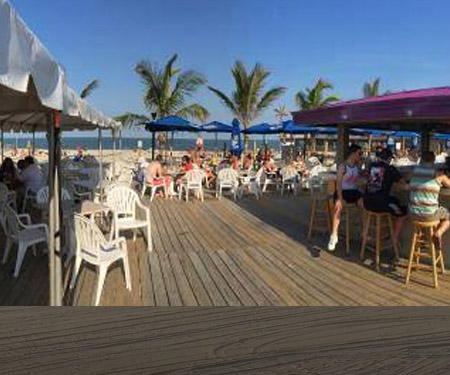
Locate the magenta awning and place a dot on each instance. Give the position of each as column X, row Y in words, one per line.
column 412, row 110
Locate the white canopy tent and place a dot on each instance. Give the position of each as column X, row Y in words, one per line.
column 34, row 96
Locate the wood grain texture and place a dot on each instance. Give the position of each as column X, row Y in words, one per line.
column 263, row 340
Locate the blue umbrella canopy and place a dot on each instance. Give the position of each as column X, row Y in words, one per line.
column 171, row 123
column 444, row 137
column 376, row 132
column 264, row 128
column 406, row 134
column 216, row 127
column 291, row 127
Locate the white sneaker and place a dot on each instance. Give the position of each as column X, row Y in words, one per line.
column 333, row 242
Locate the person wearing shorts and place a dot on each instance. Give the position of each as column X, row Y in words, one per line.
column 347, row 189
column 425, row 186
column 382, row 176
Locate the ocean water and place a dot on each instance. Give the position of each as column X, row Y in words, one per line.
column 91, row 143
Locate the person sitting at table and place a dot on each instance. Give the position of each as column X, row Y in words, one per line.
column 382, row 176
column 31, row 177
column 186, row 164
column 269, row 166
column 79, row 156
column 425, row 186
column 248, row 162
column 235, row 164
column 8, row 173
column 347, row 189
column 155, row 174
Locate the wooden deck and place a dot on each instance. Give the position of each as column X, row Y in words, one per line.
column 223, row 253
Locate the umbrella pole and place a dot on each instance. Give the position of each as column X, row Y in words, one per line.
column 172, row 148
column 100, row 155
column 114, row 153
column 153, row 145
column 34, row 140
column 217, row 142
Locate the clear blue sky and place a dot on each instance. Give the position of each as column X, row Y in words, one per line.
column 405, row 42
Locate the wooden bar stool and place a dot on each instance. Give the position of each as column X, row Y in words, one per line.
column 381, row 220
column 320, row 214
column 423, row 246
column 348, row 213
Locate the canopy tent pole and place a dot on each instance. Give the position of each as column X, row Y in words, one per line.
column 120, row 139
column 342, row 143
column 55, row 279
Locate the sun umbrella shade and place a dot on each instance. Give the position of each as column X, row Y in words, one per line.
column 171, row 123
column 406, row 134
column 292, row 128
column 264, row 128
column 216, row 127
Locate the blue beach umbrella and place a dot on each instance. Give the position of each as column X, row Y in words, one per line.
column 169, row 124
column 216, row 127
column 236, row 139
column 264, row 129
column 291, row 127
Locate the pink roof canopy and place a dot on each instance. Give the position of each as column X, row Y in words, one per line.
column 412, row 110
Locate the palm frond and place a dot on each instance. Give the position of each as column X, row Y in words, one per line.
column 269, row 97
column 194, row 111
column 129, row 119
column 87, row 91
column 225, row 99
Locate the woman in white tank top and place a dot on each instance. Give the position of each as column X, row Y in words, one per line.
column 347, row 190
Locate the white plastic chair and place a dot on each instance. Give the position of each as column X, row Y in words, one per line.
column 149, row 183
column 124, row 202
column 7, row 196
column 266, row 181
column 43, row 193
column 92, row 247
column 192, row 180
column 227, row 179
column 253, row 183
column 289, row 179
column 28, row 196
column 19, row 230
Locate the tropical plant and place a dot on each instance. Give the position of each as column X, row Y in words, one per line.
column 315, row 97
column 87, row 91
column 373, row 88
column 129, row 119
column 166, row 90
column 249, row 100
column 281, row 112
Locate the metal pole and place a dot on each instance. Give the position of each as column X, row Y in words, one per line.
column 153, row 145
column 342, row 143
column 100, row 155
column 114, row 152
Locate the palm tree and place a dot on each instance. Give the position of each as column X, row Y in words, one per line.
column 129, row 119
column 87, row 91
column 166, row 90
column 248, row 100
column 281, row 112
column 372, row 88
column 314, row 97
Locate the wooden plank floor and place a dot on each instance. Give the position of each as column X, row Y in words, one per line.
column 225, row 253
column 255, row 253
